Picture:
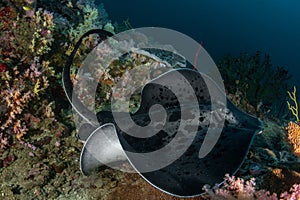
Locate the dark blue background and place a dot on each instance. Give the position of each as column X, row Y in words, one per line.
column 224, row 26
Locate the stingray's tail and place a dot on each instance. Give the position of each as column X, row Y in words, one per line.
column 83, row 111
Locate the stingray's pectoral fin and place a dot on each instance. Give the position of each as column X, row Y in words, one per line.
column 102, row 147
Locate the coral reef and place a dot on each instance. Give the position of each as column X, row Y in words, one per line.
column 24, row 77
column 39, row 150
column 25, row 37
column 33, row 49
column 17, row 97
column 90, row 21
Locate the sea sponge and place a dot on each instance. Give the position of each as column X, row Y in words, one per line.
column 294, row 137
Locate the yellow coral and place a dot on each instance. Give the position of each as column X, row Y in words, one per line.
column 293, row 109
column 294, row 137
column 37, row 87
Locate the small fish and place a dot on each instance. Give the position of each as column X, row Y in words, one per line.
column 27, row 8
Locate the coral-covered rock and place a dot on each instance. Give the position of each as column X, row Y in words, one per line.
column 280, row 180
column 294, row 137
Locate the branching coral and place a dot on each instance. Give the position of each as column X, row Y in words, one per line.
column 293, row 109
column 238, row 188
column 90, row 21
column 42, row 36
column 25, row 37
column 32, row 51
column 294, row 193
column 18, row 91
column 24, row 78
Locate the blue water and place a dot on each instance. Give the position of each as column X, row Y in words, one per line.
column 224, row 26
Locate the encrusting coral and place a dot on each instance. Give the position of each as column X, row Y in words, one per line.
column 293, row 130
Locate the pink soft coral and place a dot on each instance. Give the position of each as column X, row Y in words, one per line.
column 294, row 193
column 238, row 188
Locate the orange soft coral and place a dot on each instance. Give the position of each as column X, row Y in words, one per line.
column 294, row 137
